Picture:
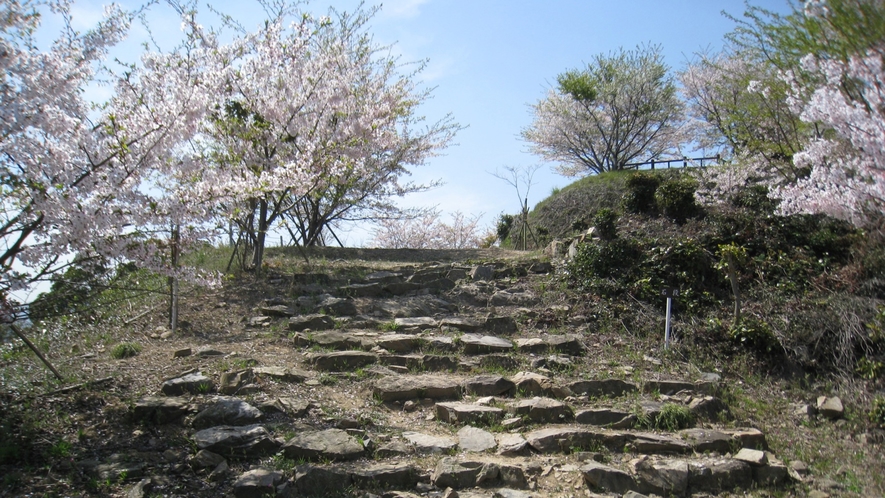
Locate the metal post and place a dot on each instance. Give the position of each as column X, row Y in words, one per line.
column 667, row 327
column 652, row 164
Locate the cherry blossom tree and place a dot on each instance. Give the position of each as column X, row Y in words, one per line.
column 847, row 177
column 82, row 179
column 318, row 127
column 430, row 231
column 621, row 108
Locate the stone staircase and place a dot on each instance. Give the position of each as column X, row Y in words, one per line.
column 443, row 380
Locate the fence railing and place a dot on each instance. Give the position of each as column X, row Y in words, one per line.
column 685, row 162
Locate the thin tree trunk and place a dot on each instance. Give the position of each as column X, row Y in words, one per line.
column 173, row 280
column 36, row 351
column 258, row 251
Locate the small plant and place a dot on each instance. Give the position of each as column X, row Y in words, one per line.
column 125, row 350
column 605, row 221
column 60, row 449
column 676, row 200
column 640, row 196
column 674, row 417
column 877, row 412
column 390, row 326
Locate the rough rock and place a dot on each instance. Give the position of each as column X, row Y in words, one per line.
column 476, row 344
column 342, row 361
column 543, row 410
column 607, row 479
column 474, row 439
column 336, row 306
column 532, row 384
column 232, row 382
column 718, row 475
column 604, row 417
column 426, row 443
column 489, row 385
column 256, row 483
column 327, row 340
column 500, row 325
column 599, row 388
column 205, row 459
column 465, row 413
column 450, row 473
column 513, row 297
column 293, row 407
column 705, row 440
column 281, row 374
column 397, row 388
column 312, row 322
column 511, row 444
column 650, row 443
column 399, row 343
column 752, row 457
column 330, row 444
column 667, row 387
column 237, row 442
column 160, row 410
column 195, row 383
column 662, row 477
column 830, row 407
column 227, row 411
column 385, row 476
column 565, row 344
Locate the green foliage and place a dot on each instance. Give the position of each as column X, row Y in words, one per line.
column 640, row 195
column 755, row 334
column 877, row 412
column 125, row 350
column 504, row 225
column 605, row 259
column 870, row 369
column 579, row 84
column 755, row 198
column 605, row 221
column 73, row 291
column 675, row 198
column 673, row 417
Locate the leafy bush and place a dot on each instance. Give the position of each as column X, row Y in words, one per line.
column 605, row 259
column 755, row 197
column 640, row 196
column 675, row 198
column 505, row 224
column 755, row 334
column 125, row 350
column 672, row 417
column 605, row 222
column 877, row 412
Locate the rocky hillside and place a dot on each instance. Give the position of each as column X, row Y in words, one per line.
column 436, row 374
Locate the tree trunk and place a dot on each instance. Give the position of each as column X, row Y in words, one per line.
column 173, row 280
column 258, row 250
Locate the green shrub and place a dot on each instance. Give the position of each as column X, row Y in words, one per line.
column 125, row 350
column 673, row 417
column 605, row 259
column 877, row 412
column 755, row 334
column 675, row 198
column 505, row 224
column 605, row 222
column 755, row 197
column 640, row 196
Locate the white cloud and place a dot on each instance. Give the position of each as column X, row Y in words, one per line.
column 402, row 9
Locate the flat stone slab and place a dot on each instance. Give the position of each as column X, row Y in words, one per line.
column 328, row 339
column 706, row 440
column 565, row 344
column 662, row 477
column 195, row 383
column 237, row 442
column 603, row 478
column 293, row 407
column 543, row 410
column 312, row 322
column 567, row 438
column 161, row 409
column 530, row 345
column 282, row 374
column 717, row 475
column 490, row 385
column 605, row 387
column 532, row 384
column 425, row 443
column 343, row 361
column 461, row 323
column 465, row 413
column 474, row 439
column 605, row 417
column 667, row 387
column 401, row 388
column 513, row 297
column 650, row 443
column 477, row 344
column 830, row 407
column 420, row 323
column 257, row 482
column 451, row 473
column 398, row 343
column 510, row 444
column 330, row 444
column 385, row 476
column 227, row 411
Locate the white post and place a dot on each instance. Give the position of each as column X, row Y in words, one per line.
column 667, row 327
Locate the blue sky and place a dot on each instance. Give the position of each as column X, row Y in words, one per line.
column 489, row 60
